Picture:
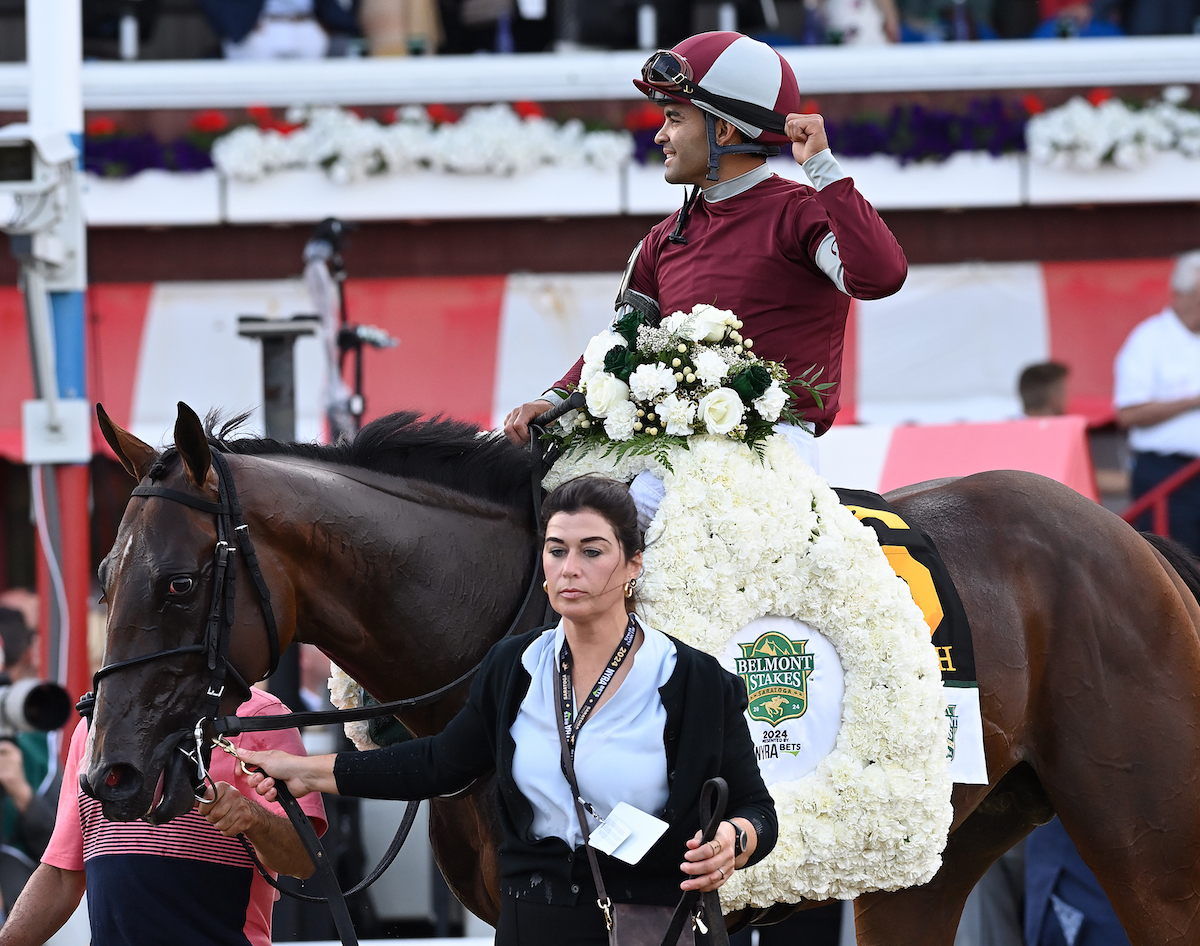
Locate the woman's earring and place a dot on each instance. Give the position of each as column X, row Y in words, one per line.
column 629, row 586
column 546, row 586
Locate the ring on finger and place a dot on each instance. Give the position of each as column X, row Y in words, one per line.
column 716, row 846
column 722, row 872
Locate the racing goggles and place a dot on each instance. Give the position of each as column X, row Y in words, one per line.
column 670, row 72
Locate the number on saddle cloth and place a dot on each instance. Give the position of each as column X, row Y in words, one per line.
column 915, row 558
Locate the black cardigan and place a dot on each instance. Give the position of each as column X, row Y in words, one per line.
column 705, row 736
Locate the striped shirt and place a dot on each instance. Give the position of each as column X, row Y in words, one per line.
column 182, row 883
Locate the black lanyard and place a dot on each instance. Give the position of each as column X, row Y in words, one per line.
column 572, row 721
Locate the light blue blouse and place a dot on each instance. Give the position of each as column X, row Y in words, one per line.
column 619, row 755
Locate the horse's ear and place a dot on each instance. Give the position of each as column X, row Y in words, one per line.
column 135, row 456
column 192, row 445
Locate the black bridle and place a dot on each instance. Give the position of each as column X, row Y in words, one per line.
column 233, row 535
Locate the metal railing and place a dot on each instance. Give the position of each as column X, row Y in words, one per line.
column 1156, row 500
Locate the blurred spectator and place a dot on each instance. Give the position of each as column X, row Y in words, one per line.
column 863, row 22
column 102, row 18
column 1157, row 398
column 993, row 912
column 23, row 600
column 400, row 27
column 1064, row 903
column 29, row 773
column 1063, row 19
column 1162, row 17
column 1043, row 389
column 523, row 26
column 279, row 29
column 937, row 20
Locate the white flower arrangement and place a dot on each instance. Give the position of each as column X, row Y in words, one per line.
column 650, row 386
column 486, row 140
column 346, row 693
column 739, row 536
column 1082, row 136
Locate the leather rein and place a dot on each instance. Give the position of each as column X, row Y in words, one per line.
column 233, row 535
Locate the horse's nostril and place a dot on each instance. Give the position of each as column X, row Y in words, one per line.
column 120, row 776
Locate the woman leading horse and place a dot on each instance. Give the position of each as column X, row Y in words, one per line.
column 645, row 718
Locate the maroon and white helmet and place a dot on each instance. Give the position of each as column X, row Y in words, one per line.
column 730, row 76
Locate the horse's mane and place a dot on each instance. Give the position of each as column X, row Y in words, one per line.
column 1179, row 558
column 447, row 453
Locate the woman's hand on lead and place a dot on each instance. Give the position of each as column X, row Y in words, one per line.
column 301, row 774
column 710, row 863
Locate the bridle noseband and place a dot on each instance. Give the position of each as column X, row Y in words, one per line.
column 233, row 535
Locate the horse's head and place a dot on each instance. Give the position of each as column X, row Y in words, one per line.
column 159, row 579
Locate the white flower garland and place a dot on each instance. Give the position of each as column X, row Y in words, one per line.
column 737, row 538
column 1081, row 136
column 346, row 693
column 486, row 140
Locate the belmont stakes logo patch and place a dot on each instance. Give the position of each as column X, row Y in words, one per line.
column 794, row 686
column 775, row 671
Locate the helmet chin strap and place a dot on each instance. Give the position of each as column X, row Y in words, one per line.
column 716, row 150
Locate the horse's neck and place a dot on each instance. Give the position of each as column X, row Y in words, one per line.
column 401, row 588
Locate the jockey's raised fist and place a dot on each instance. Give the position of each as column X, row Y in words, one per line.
column 808, row 135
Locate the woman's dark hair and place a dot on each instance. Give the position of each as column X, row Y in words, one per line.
column 606, row 497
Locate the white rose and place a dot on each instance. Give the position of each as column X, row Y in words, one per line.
column 709, row 322
column 648, row 381
column 672, row 322
column 619, row 423
column 597, row 348
column 677, row 415
column 710, row 367
column 604, row 392
column 771, row 403
column 721, row 410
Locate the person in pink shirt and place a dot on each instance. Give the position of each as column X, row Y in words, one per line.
column 188, row 882
column 785, row 257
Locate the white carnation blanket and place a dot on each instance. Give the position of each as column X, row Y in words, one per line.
column 737, row 538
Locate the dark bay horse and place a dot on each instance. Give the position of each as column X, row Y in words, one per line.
column 405, row 554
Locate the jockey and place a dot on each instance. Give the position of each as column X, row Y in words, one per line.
column 786, row 258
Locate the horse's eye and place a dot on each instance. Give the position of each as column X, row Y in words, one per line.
column 181, row 585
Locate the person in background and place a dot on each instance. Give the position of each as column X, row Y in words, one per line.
column 188, row 882
column 29, row 773
column 279, row 29
column 1064, row 903
column 1157, row 398
column 1043, row 389
column 401, row 27
column 1162, row 17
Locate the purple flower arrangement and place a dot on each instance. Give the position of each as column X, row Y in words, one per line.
column 917, row 133
column 125, row 155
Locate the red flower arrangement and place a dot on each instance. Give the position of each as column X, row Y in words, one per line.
column 442, row 114
column 1098, row 96
column 210, row 122
column 529, row 110
column 1032, row 104
column 100, row 127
